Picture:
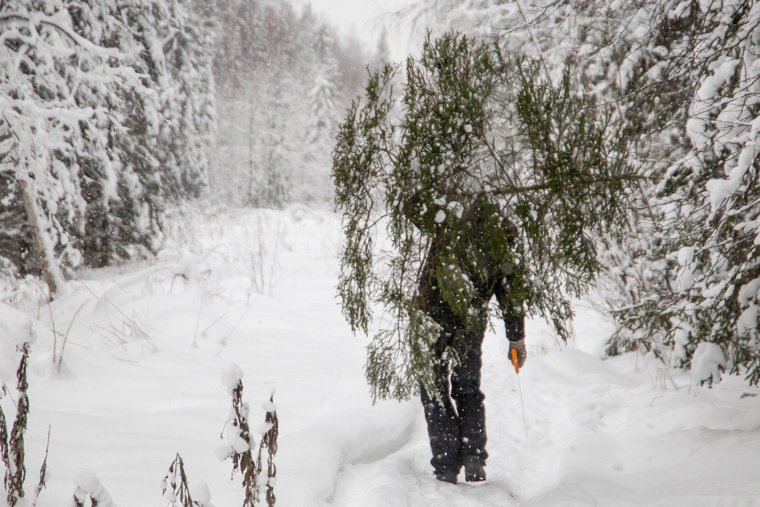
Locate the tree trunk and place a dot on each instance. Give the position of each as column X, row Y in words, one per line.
column 50, row 271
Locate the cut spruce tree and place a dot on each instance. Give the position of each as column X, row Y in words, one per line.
column 473, row 128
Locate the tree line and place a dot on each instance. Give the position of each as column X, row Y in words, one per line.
column 110, row 114
column 283, row 79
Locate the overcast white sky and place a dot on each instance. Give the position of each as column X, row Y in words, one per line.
column 354, row 16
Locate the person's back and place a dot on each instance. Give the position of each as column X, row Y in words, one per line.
column 461, row 273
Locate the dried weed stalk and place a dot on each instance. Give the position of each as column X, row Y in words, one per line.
column 174, row 487
column 12, row 450
column 269, row 443
column 242, row 460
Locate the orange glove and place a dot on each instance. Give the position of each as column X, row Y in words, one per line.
column 518, row 353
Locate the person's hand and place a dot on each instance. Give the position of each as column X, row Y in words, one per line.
column 522, row 351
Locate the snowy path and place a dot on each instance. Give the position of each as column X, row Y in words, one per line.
column 148, row 345
column 599, row 433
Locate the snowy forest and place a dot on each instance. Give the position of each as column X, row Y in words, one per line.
column 201, row 189
column 115, row 114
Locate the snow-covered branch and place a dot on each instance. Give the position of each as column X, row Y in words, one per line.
column 41, row 19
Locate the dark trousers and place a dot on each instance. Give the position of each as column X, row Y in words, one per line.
column 456, row 421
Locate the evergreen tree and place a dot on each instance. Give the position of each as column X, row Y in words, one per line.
column 322, row 115
column 119, row 174
column 474, row 128
column 382, row 53
column 273, row 165
column 85, row 90
column 43, row 127
column 704, row 306
column 188, row 108
column 280, row 149
column 281, row 78
column 322, row 97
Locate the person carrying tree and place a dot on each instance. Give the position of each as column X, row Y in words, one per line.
column 487, row 178
column 455, row 412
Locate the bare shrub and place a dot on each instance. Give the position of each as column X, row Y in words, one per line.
column 242, row 455
column 175, row 487
column 12, row 450
column 269, row 443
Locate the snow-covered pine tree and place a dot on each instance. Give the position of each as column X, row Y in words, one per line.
column 80, row 145
column 119, row 172
column 180, row 118
column 322, row 115
column 43, row 61
column 281, row 103
column 266, row 66
column 705, row 312
column 160, row 128
column 273, row 164
column 681, row 75
column 322, row 97
column 188, row 131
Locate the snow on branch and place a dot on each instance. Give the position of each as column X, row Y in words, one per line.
column 89, row 487
column 176, row 490
column 40, row 19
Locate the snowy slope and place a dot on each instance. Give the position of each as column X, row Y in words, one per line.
column 148, row 344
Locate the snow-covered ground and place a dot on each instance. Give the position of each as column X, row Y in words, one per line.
column 148, row 346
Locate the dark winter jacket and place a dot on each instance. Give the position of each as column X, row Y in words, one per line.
column 468, row 253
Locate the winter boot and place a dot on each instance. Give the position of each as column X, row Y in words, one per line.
column 447, row 477
column 474, row 470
